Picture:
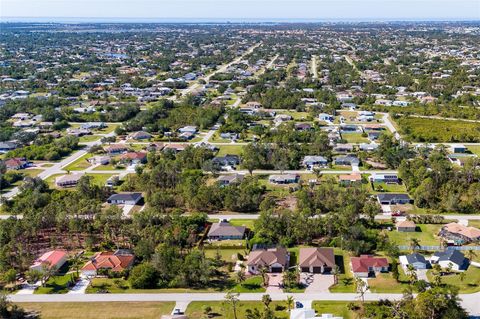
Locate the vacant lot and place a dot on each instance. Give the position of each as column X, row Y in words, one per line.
column 426, row 235
column 222, row 310
column 100, row 310
column 442, row 131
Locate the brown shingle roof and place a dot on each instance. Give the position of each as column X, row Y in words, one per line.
column 316, row 257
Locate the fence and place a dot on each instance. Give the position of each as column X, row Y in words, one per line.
column 440, row 248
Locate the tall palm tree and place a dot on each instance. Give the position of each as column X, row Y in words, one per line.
column 414, row 244
column 335, row 273
column 290, row 303
column 240, row 276
column 232, row 299
column 266, row 300
column 412, row 274
column 361, row 288
column 264, row 273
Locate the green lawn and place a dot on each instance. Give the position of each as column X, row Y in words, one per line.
column 252, row 284
column 56, row 284
column 228, row 254
column 79, row 164
column 470, row 284
column 389, row 188
column 222, row 310
column 103, row 310
column 89, row 138
column 337, row 308
column 385, row 283
column 249, row 223
column 427, row 235
column 230, row 149
column 475, row 149
column 354, row 138
column 345, row 283
column 98, row 179
column 108, row 167
column 32, row 172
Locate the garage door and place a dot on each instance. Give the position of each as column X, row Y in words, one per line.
column 277, row 269
column 317, row 270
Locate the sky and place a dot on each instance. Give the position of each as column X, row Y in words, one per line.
column 266, row 10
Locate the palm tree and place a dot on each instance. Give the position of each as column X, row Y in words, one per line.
column 290, row 303
column 437, row 278
column 264, row 273
column 414, row 244
column 412, row 275
column 462, row 276
column 335, row 273
column 232, row 298
column 240, row 276
column 266, row 300
column 471, row 254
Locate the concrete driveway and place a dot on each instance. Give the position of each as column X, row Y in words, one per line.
column 316, row 282
column 274, row 283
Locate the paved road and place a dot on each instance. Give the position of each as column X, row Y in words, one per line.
column 391, row 127
column 469, row 302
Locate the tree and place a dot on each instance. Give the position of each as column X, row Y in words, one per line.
column 143, row 276
column 206, row 310
column 335, row 273
column 437, row 275
column 361, row 288
column 33, row 276
column 264, row 273
column 462, row 276
column 10, row 276
column 395, row 272
column 414, row 244
column 471, row 254
column 232, row 299
column 240, row 276
column 412, row 274
column 266, row 300
column 290, row 303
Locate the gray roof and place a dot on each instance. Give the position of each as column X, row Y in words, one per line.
column 416, row 258
column 225, row 229
column 452, row 255
column 392, row 196
column 125, row 197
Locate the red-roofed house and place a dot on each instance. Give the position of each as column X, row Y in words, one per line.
column 134, row 157
column 113, row 261
column 16, row 163
column 53, row 259
column 367, row 265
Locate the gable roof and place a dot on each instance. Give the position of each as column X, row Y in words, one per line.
column 268, row 257
column 469, row 232
column 125, row 197
column 452, row 255
column 362, row 263
column 117, row 261
column 392, row 196
column 225, row 229
column 406, row 224
column 51, row 258
column 415, row 258
column 316, row 257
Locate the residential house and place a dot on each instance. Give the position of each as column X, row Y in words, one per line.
column 458, row 234
column 349, row 179
column 16, row 163
column 394, row 199
column 117, row 261
column 316, row 260
column 125, row 198
column 68, row 180
column 349, row 128
column 368, row 147
column 450, row 258
column 93, row 125
column 224, row 231
column 176, row 148
column 7, row 146
column 133, row 158
column 53, row 259
column 348, row 160
column 276, row 260
column 343, row 148
column 307, row 313
column 303, row 126
column 188, row 129
column 416, row 260
column 326, row 117
column 115, row 149
column 368, row 265
column 406, row 226
column 140, row 135
column 225, row 180
column 458, row 148
column 314, row 161
column 373, row 135
column 284, row 179
column 227, row 160
column 384, row 178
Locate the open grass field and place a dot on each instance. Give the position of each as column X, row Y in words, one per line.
column 435, row 130
column 79, row 164
column 100, row 310
column 426, row 235
column 99, row 179
column 470, row 284
column 337, row 308
column 355, row 138
column 385, row 283
column 30, row 172
column 389, row 188
column 345, row 283
column 223, row 310
column 230, row 149
column 89, row 138
column 475, row 149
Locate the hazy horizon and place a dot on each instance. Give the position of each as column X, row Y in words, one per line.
column 240, row 10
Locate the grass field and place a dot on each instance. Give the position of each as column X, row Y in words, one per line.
column 355, row 138
column 426, row 235
column 30, row 172
column 337, row 308
column 434, row 130
column 89, row 138
column 222, row 310
column 390, row 188
column 385, row 283
column 345, row 282
column 230, row 149
column 56, row 285
column 79, row 164
column 475, row 149
column 470, row 284
column 100, row 310
column 249, row 223
column 98, row 179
